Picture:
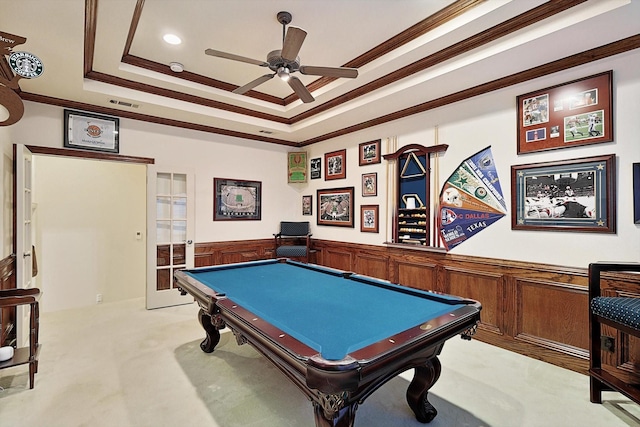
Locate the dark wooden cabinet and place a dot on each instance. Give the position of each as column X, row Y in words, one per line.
column 11, row 299
column 412, row 216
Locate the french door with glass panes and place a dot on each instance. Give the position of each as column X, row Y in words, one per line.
column 170, row 224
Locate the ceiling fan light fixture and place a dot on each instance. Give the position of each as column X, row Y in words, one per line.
column 283, row 73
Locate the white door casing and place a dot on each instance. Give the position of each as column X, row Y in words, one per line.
column 24, row 242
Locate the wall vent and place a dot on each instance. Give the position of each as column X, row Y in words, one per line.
column 123, row 103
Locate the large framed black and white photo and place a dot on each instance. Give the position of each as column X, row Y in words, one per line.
column 636, row 193
column 571, row 195
column 236, row 199
column 578, row 112
column 86, row 131
column 335, row 207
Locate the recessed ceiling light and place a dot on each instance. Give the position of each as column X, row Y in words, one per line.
column 172, row 39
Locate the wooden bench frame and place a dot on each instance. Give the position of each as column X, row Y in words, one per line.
column 601, row 380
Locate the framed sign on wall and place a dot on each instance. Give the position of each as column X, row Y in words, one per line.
column 87, row 131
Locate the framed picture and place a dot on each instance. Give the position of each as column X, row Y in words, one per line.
column 369, row 218
column 335, row 207
column 576, row 113
column 636, row 193
column 297, row 167
column 335, row 165
column 307, row 205
column 87, row 131
column 316, row 168
column 236, row 199
column 369, row 184
column 369, row 152
column 572, row 195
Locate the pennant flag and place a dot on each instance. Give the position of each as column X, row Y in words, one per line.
column 471, row 199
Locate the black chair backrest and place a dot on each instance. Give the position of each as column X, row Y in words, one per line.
column 288, row 228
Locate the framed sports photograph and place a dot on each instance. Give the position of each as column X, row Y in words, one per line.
column 236, row 199
column 297, row 167
column 369, row 218
column 369, row 184
column 335, row 165
column 86, row 131
column 335, row 207
column 316, row 168
column 369, row 152
column 307, row 205
column 578, row 112
column 571, row 195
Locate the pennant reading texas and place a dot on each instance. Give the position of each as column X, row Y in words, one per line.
column 471, row 199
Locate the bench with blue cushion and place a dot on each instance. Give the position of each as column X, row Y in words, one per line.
column 619, row 312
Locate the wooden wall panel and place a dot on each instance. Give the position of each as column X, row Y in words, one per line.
column 242, row 255
column 553, row 315
column 372, row 265
column 487, row 288
column 216, row 253
column 340, row 259
column 420, row 276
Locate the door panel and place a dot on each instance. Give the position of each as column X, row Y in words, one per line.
column 24, row 243
column 170, row 222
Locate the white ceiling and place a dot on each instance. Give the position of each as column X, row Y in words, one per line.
column 338, row 32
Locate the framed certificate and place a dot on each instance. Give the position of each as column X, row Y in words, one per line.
column 87, row 131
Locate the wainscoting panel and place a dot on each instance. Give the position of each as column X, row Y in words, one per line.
column 553, row 315
column 417, row 275
column 372, row 265
column 487, row 288
column 339, row 258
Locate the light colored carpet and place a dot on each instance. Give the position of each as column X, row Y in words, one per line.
column 120, row 365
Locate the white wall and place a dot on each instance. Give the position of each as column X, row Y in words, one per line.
column 6, row 172
column 86, row 216
column 466, row 127
column 473, row 124
column 207, row 155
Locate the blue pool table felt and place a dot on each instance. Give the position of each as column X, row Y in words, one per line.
column 331, row 314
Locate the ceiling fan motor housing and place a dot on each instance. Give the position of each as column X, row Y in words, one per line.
column 275, row 61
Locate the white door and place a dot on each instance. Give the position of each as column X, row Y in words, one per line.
column 24, row 256
column 170, row 229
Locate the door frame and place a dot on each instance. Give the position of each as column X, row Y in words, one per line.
column 64, row 152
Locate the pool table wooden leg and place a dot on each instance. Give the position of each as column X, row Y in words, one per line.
column 344, row 417
column 212, row 330
column 417, row 394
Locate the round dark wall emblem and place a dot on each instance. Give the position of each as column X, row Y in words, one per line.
column 26, row 64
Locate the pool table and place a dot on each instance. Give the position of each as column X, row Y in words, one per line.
column 336, row 335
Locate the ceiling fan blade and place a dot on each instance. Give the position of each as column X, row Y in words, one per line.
column 350, row 73
column 233, row 57
column 254, row 83
column 300, row 89
column 292, row 43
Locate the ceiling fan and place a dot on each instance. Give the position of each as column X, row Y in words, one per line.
column 286, row 61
